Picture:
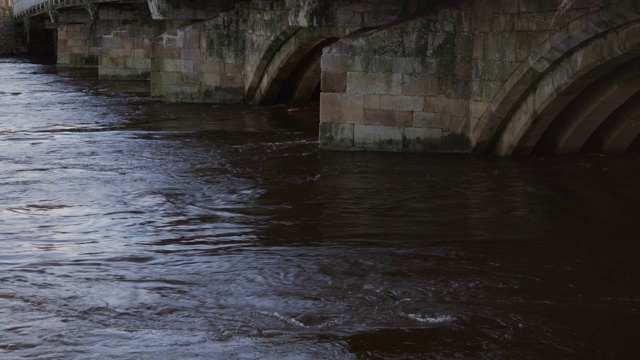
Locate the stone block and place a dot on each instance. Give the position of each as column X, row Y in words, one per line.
column 459, row 125
column 489, row 89
column 374, row 83
column 211, row 80
column 528, row 22
column 72, row 27
column 431, row 120
column 76, row 43
column 63, row 58
column 509, row 6
column 372, row 101
column 420, row 85
column 478, row 46
column 375, row 137
column 341, row 108
column 231, row 81
column 139, row 64
column 454, row 107
column 191, row 54
column 381, row 64
column 388, row 117
column 189, row 80
column 335, row 62
column 528, row 6
column 477, row 109
column 120, row 53
column 483, row 21
column 503, row 22
column 115, row 63
column 209, row 67
column 464, row 45
column 545, row 92
column 167, row 77
column 422, row 139
column 456, row 87
column 401, row 103
column 628, row 39
column 167, row 53
column 562, row 76
column 336, row 136
column 172, row 65
column 106, row 73
column 358, row 63
column 233, row 69
column 169, row 41
column 103, row 54
column 462, row 68
column 139, row 54
column 333, row 82
column 404, row 65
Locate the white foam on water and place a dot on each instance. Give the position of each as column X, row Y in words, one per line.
column 432, row 320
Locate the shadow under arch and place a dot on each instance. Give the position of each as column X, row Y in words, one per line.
column 566, row 63
column 282, row 57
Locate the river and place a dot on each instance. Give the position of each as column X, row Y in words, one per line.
column 136, row 229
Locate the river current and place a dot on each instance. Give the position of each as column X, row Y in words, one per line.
column 136, row 229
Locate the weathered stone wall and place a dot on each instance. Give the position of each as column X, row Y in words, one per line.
column 256, row 45
column 78, row 38
column 125, row 51
column 404, row 87
column 7, row 31
column 411, row 75
column 552, row 54
column 447, row 80
column 505, row 36
column 187, row 10
column 203, row 62
column 281, row 33
column 267, row 30
column 77, row 45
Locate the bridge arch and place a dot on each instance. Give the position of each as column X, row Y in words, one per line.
column 579, row 84
column 292, row 63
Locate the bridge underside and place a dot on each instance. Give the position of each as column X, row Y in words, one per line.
column 598, row 113
column 585, row 101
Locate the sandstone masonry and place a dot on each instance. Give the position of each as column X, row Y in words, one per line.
column 7, row 30
column 504, row 76
column 452, row 78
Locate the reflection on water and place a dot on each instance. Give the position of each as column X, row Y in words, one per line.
column 134, row 229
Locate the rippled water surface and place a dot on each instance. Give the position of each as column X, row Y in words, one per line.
column 134, row 229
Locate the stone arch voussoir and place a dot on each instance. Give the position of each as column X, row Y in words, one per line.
column 596, row 40
column 282, row 55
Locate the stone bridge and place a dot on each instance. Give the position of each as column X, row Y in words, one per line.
column 505, row 76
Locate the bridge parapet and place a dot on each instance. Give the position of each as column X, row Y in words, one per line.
column 22, row 8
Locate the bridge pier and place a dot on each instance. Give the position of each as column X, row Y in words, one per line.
column 403, row 88
column 77, row 45
column 8, row 39
column 125, row 54
column 202, row 62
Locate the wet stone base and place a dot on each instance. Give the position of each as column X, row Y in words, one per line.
column 387, row 138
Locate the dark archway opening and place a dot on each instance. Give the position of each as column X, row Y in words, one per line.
column 634, row 148
column 41, row 39
column 603, row 117
column 302, row 85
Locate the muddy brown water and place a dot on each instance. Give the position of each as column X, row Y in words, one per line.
column 135, row 229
